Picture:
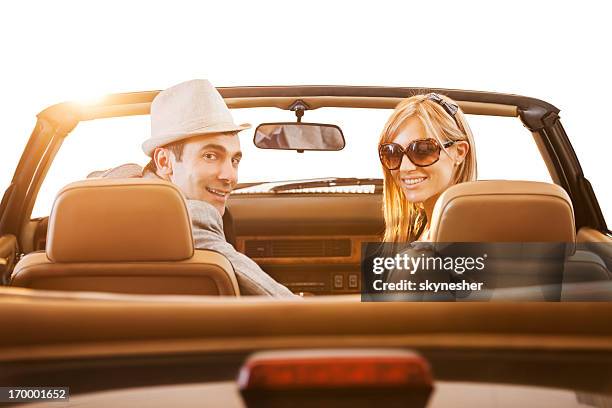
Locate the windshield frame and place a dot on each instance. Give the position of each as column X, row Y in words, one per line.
column 57, row 121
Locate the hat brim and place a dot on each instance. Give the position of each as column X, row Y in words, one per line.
column 149, row 145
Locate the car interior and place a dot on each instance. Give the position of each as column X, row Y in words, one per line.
column 98, row 243
column 311, row 241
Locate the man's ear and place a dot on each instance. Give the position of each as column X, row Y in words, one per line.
column 161, row 157
column 461, row 150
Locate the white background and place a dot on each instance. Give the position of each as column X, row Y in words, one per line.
column 56, row 51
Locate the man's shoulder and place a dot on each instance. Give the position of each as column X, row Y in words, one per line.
column 203, row 207
column 204, row 214
column 129, row 170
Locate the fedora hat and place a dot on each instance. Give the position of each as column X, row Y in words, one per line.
column 191, row 108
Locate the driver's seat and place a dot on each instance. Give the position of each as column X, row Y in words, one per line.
column 124, row 236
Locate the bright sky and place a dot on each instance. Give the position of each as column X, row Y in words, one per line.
column 559, row 52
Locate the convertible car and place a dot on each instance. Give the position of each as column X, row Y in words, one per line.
column 93, row 300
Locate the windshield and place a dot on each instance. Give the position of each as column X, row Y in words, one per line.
column 504, row 148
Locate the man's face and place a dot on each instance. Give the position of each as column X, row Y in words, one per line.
column 208, row 169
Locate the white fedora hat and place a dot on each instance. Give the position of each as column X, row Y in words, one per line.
column 185, row 110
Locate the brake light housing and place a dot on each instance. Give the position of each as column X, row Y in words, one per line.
column 334, row 377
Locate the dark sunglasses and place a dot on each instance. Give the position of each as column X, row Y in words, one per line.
column 422, row 153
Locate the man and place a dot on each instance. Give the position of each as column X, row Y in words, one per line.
column 194, row 144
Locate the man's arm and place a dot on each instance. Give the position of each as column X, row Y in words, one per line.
column 208, row 234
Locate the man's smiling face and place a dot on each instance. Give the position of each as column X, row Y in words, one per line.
column 208, row 168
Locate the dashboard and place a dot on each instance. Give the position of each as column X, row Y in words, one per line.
column 310, row 243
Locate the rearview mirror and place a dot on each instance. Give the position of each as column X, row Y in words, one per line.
column 299, row 136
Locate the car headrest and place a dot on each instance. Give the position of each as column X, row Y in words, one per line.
column 119, row 220
column 503, row 211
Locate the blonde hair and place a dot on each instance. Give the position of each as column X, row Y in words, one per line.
column 404, row 220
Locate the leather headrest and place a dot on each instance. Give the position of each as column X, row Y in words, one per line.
column 503, row 211
column 126, row 220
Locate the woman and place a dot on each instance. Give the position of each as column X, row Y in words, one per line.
column 426, row 146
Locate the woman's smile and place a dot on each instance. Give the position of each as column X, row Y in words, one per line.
column 412, row 182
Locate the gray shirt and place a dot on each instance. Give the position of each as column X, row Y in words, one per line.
column 208, row 233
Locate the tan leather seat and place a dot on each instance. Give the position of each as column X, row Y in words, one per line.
column 504, row 211
column 526, row 229
column 521, row 212
column 125, row 236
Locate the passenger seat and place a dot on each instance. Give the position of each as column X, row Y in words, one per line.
column 523, row 214
column 124, row 236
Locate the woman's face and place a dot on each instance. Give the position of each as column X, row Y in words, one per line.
column 422, row 183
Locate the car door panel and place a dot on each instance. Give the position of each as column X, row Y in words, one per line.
column 597, row 242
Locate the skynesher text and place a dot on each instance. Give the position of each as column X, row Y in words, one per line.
column 407, row 285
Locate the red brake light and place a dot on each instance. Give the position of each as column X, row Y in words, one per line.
column 334, row 369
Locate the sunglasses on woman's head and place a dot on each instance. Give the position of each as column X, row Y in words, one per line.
column 450, row 108
column 421, row 152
